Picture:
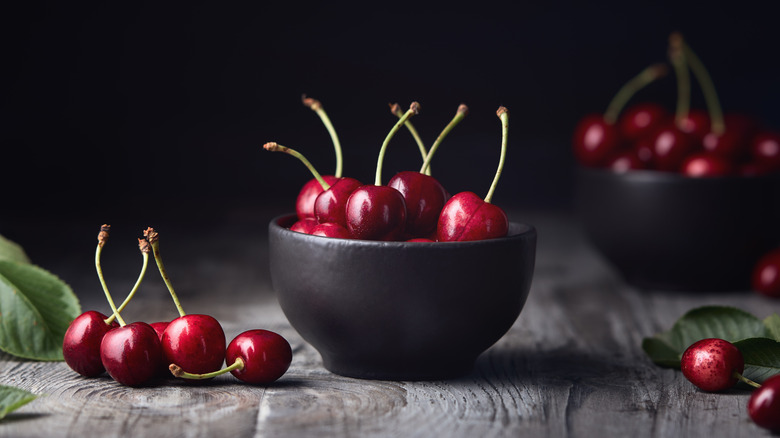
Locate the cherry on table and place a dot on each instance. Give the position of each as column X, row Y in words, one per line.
column 713, row 364
column 131, row 354
column 765, row 278
column 196, row 342
column 81, row 344
column 764, row 404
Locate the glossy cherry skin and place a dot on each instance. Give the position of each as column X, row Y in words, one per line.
column 625, row 161
column 696, row 124
column 194, row 342
column 81, row 344
column 641, row 120
column 765, row 149
column 304, row 203
column 766, row 274
column 669, row 147
column 424, row 197
column 466, row 216
column 710, row 364
column 376, row 213
column 594, row 140
column 160, row 327
column 329, row 229
column 305, row 226
column 706, row 165
column 266, row 356
column 764, row 404
column 331, row 205
column 132, row 354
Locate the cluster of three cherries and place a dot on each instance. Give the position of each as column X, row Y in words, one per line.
column 691, row 142
column 190, row 346
column 413, row 206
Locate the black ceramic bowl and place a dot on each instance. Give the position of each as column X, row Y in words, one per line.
column 400, row 310
column 666, row 231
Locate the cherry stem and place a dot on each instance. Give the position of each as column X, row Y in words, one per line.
column 677, row 57
column 414, row 108
column 744, row 379
column 316, row 106
column 396, row 109
column 717, row 125
column 276, row 147
column 177, row 371
column 463, row 110
column 143, row 245
column 153, row 238
column 503, row 114
column 630, row 88
column 102, row 238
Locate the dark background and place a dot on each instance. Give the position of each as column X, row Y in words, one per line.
column 146, row 113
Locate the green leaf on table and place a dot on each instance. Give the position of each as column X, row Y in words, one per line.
column 12, row 251
column 772, row 323
column 729, row 323
column 36, row 308
column 762, row 358
column 12, row 399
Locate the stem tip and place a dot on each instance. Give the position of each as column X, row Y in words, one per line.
column 501, row 110
column 415, row 108
column 314, row 104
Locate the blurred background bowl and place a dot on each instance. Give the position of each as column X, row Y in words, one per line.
column 400, row 310
column 665, row 231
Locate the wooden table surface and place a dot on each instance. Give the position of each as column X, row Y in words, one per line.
column 572, row 364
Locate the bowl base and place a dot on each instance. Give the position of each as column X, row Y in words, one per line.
column 412, row 372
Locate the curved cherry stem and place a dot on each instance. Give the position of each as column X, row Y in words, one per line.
column 744, row 379
column 717, row 124
column 503, row 114
column 276, row 147
column 463, row 110
column 630, row 88
column 153, row 239
column 177, row 371
column 143, row 245
column 677, row 57
column 102, row 238
column 316, row 106
column 414, row 108
column 396, row 109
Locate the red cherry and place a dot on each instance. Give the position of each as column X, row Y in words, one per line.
column 594, row 140
column 376, row 213
column 766, row 274
column 730, row 144
column 330, row 229
column 712, row 364
column 305, row 226
column 131, row 354
column 467, row 217
column 696, row 124
column 266, row 356
column 330, row 206
column 764, row 404
column 304, row 203
column 421, row 239
column 706, row 165
column 670, row 146
column 159, row 328
column 641, row 120
column 765, row 149
column 424, row 197
column 195, row 342
column 81, row 344
column 626, row 160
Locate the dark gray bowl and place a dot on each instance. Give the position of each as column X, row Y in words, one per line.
column 400, row 310
column 665, row 231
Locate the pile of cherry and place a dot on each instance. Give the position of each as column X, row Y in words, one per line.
column 715, row 365
column 188, row 347
column 412, row 206
column 689, row 142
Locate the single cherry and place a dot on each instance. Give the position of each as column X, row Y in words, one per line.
column 131, row 354
column 766, row 274
column 713, row 365
column 305, row 225
column 641, row 120
column 329, row 229
column 625, row 161
column 764, row 404
column 670, row 146
column 468, row 217
column 765, row 149
column 256, row 356
column 706, row 165
column 377, row 212
column 331, row 205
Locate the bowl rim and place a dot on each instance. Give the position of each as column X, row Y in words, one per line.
column 517, row 231
column 650, row 175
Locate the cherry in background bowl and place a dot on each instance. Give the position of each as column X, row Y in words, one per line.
column 666, row 231
column 400, row 310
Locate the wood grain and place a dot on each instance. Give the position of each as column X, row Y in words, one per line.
column 571, row 365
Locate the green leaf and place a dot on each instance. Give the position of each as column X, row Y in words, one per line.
column 12, row 251
column 12, row 399
column 762, row 358
column 772, row 323
column 729, row 323
column 36, row 308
